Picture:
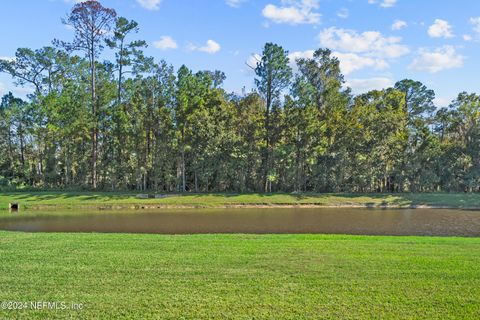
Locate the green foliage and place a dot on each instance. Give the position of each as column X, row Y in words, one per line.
column 273, row 72
column 137, row 124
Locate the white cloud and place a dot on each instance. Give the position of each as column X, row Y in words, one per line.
column 388, row 3
column 442, row 102
column 384, row 3
column 293, row 12
column 150, row 4
column 308, row 54
column 350, row 62
column 440, row 29
column 234, row 3
column 293, row 57
column 210, row 47
column 253, row 59
column 364, row 85
column 369, row 42
column 399, row 25
column 358, row 51
column 440, row 59
column 251, row 64
column 476, row 24
column 69, row 27
column 343, row 13
column 165, row 43
column 9, row 59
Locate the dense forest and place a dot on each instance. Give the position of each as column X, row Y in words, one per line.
column 137, row 124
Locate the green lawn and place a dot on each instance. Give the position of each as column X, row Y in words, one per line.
column 98, row 199
column 241, row 276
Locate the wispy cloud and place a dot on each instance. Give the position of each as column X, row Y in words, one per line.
column 235, row 3
column 399, row 25
column 384, row 3
column 150, row 4
column 343, row 13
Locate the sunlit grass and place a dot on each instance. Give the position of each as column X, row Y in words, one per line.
column 105, row 199
column 242, row 276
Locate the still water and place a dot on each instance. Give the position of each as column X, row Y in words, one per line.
column 427, row 222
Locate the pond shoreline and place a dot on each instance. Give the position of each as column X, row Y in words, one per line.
column 239, row 206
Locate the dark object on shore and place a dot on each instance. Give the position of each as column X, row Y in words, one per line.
column 153, row 196
column 14, row 207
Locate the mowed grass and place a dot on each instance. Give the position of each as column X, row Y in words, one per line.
column 241, row 276
column 99, row 199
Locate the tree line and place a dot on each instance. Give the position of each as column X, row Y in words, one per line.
column 134, row 123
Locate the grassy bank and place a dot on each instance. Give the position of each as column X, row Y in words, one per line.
column 241, row 276
column 63, row 200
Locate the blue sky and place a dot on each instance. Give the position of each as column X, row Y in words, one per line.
column 377, row 41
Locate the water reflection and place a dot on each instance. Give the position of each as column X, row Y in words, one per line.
column 320, row 220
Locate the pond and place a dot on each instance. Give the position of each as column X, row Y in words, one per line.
column 421, row 222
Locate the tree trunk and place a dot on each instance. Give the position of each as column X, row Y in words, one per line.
column 117, row 149
column 267, row 141
column 67, row 168
column 184, row 186
column 196, row 182
column 10, row 147
column 94, row 129
column 120, row 72
column 22, row 147
column 147, row 157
